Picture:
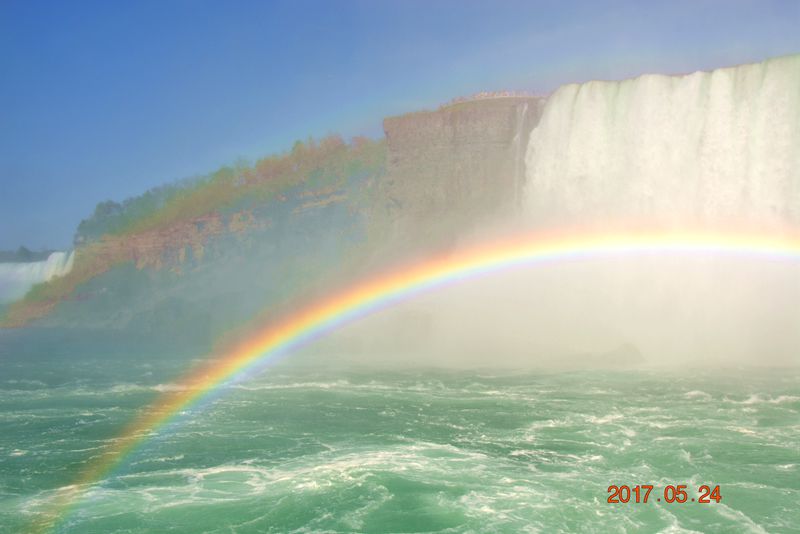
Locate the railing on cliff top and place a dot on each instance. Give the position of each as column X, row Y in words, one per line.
column 487, row 95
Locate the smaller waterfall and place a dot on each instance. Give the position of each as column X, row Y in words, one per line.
column 17, row 278
column 520, row 147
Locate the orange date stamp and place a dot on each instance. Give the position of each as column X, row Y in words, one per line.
column 671, row 493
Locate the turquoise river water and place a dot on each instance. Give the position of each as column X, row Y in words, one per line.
column 358, row 450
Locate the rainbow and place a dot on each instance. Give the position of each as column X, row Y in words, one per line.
column 382, row 291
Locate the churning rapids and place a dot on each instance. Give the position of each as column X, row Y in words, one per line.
column 407, row 451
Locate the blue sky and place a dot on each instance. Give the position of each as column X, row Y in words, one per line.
column 103, row 100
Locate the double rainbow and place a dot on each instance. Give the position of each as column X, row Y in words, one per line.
column 367, row 297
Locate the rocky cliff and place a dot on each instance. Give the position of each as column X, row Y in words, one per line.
column 456, row 168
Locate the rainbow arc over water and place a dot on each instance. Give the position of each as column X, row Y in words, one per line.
column 375, row 293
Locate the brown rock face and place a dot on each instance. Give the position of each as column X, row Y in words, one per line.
column 156, row 249
column 456, row 168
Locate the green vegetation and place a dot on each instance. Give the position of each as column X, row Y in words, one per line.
column 105, row 239
column 316, row 164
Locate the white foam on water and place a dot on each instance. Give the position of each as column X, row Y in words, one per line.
column 743, row 430
column 738, row 518
column 756, row 398
column 606, row 419
column 696, row 394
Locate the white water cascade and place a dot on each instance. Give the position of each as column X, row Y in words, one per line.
column 712, row 148
column 17, row 278
column 709, row 150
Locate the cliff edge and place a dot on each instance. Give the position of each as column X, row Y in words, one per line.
column 455, row 168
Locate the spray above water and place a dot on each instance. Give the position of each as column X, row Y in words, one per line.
column 310, row 323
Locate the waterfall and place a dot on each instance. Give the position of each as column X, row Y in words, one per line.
column 17, row 278
column 713, row 148
column 519, row 150
column 708, row 150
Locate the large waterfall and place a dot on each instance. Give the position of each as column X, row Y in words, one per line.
column 17, row 278
column 713, row 148
column 716, row 150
